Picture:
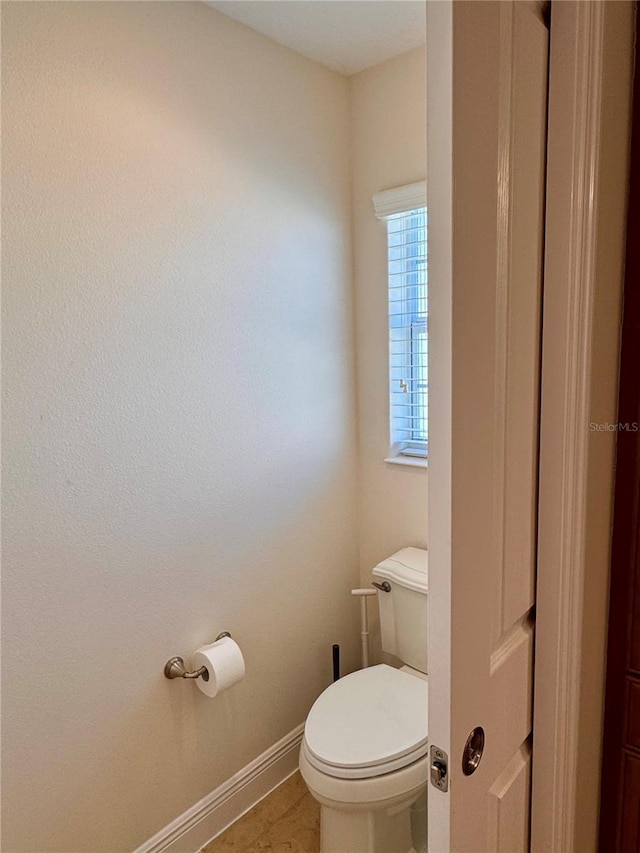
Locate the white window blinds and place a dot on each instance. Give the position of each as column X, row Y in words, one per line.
column 408, row 354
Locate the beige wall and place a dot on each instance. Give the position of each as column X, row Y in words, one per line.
column 388, row 126
column 179, row 445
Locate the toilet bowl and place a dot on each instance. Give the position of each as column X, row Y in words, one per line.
column 364, row 752
column 364, row 759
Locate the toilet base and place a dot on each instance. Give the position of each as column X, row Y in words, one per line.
column 377, row 814
column 396, row 828
column 366, row 832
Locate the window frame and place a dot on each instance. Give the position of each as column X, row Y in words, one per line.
column 389, row 205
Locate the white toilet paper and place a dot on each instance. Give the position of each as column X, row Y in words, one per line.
column 225, row 666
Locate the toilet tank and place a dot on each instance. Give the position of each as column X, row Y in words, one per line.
column 403, row 610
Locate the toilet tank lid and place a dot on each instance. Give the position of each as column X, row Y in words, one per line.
column 407, row 568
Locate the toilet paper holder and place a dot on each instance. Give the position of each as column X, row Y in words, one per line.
column 175, row 668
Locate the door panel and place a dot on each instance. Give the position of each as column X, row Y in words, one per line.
column 490, row 407
column 629, row 838
column 509, row 805
column 633, row 713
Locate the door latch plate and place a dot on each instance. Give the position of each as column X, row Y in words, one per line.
column 439, row 769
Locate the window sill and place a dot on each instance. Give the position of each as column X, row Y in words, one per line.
column 409, row 461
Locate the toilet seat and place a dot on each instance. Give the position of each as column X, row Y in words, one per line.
column 367, row 724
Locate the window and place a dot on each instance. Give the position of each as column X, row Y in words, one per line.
column 405, row 213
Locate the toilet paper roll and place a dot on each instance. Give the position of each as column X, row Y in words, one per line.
column 224, row 663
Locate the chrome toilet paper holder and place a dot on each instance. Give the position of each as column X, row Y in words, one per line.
column 175, row 668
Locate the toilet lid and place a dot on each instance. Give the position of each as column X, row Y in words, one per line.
column 368, row 723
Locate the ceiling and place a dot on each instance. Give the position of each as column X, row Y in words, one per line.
column 345, row 35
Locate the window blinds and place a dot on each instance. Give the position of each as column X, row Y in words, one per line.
column 408, row 354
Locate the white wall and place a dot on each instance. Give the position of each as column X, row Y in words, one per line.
column 179, row 445
column 388, row 126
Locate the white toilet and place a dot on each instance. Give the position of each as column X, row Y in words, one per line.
column 364, row 753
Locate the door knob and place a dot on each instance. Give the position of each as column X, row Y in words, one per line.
column 473, row 749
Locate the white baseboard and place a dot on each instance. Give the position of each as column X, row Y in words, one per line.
column 219, row 809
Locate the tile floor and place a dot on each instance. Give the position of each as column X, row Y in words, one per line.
column 287, row 820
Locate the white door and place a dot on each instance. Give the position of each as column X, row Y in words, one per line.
column 487, row 95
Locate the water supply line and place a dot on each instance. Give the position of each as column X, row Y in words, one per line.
column 364, row 622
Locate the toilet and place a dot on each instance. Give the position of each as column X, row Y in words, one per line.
column 364, row 752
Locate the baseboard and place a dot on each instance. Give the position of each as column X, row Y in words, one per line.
column 189, row 832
